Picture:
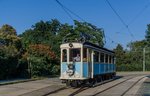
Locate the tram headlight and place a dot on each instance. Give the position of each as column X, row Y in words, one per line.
column 70, row 45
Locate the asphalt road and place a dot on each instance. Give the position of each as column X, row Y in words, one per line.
column 145, row 87
column 54, row 87
column 28, row 87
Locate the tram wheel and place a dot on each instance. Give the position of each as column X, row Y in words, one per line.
column 92, row 82
column 74, row 84
column 68, row 83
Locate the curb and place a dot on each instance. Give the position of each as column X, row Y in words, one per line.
column 19, row 81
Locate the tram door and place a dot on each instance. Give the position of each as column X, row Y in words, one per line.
column 90, row 62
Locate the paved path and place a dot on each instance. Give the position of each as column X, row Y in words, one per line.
column 145, row 87
column 54, row 85
column 27, row 87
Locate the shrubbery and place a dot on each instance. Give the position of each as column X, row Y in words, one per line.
column 36, row 52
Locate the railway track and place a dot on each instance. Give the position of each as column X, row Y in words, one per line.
column 122, row 94
column 78, row 92
column 84, row 90
column 74, row 91
column 131, row 86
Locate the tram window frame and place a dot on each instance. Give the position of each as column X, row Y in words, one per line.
column 84, row 54
column 89, row 55
column 72, row 56
column 102, row 57
column 96, row 56
column 64, row 55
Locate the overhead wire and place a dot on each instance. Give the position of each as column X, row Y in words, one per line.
column 123, row 22
column 65, row 8
column 62, row 6
column 67, row 12
column 133, row 20
column 140, row 13
column 112, row 41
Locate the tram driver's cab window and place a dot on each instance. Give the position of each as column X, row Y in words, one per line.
column 75, row 55
column 64, row 55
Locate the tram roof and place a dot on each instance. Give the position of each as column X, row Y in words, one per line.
column 93, row 45
column 96, row 46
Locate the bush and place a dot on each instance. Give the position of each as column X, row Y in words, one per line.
column 129, row 67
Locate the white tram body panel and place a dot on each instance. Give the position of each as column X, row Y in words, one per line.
column 78, row 68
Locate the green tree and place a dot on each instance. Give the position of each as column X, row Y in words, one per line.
column 119, row 54
column 137, row 45
column 147, row 36
column 52, row 33
column 147, row 47
column 9, row 51
column 41, row 33
column 96, row 34
column 9, row 37
column 40, row 60
column 131, row 59
column 8, row 30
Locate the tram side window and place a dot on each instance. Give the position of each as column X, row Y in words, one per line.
column 84, row 54
column 106, row 58
column 96, row 56
column 110, row 57
column 102, row 57
column 75, row 55
column 113, row 60
column 64, row 55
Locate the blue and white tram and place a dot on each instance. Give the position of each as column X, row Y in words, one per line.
column 86, row 63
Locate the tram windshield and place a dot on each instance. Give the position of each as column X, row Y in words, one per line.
column 75, row 55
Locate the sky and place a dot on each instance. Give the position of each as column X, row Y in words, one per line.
column 22, row 14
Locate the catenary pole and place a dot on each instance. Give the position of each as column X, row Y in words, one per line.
column 144, row 59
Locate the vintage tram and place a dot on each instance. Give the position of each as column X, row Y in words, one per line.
column 86, row 63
